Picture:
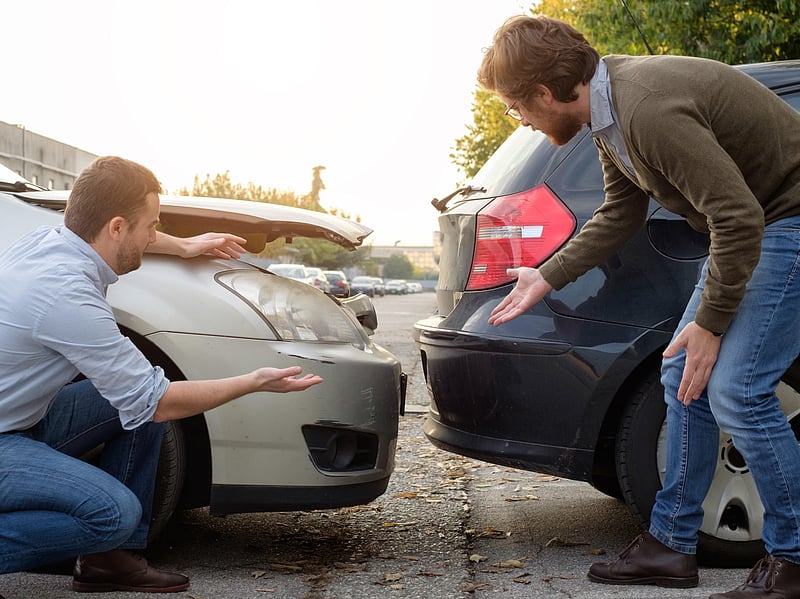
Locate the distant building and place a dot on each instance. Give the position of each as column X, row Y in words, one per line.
column 39, row 159
column 423, row 257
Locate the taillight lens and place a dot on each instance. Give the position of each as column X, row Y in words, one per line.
column 518, row 230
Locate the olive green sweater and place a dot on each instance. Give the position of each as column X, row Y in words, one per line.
column 707, row 142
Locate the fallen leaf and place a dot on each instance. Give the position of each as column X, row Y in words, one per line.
column 291, row 567
column 510, row 563
column 257, row 573
column 481, row 586
column 559, row 542
column 477, row 558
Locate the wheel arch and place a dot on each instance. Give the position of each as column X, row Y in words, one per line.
column 196, row 490
column 604, row 471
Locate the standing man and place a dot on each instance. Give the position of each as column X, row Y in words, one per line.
column 55, row 323
column 712, row 144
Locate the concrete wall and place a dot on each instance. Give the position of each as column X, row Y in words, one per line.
column 39, row 159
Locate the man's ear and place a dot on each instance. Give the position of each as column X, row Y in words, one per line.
column 544, row 93
column 116, row 227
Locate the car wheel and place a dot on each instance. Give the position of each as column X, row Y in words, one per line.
column 169, row 478
column 730, row 534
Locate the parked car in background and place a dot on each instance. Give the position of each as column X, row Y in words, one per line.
column 340, row 286
column 319, row 279
column 330, row 446
column 363, row 284
column 571, row 387
column 380, row 287
column 298, row 272
column 414, row 287
column 397, row 287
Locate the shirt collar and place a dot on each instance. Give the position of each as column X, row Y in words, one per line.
column 107, row 276
column 599, row 101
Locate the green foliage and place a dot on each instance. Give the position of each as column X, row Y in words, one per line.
column 398, row 267
column 490, row 128
column 327, row 255
column 221, row 186
column 731, row 31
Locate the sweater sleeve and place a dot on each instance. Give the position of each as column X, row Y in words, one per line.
column 674, row 139
column 622, row 213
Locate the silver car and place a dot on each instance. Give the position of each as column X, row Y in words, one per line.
column 330, row 446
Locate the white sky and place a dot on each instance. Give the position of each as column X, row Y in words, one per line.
column 377, row 91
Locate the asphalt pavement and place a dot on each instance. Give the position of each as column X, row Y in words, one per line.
column 447, row 527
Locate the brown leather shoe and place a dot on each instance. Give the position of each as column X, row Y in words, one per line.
column 646, row 561
column 770, row 578
column 120, row 570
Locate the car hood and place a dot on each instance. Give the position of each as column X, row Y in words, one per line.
column 258, row 222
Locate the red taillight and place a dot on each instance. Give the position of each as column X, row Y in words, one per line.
column 519, row 230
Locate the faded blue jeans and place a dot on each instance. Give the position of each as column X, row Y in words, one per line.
column 761, row 343
column 53, row 506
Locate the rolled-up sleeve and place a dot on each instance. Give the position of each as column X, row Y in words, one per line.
column 80, row 325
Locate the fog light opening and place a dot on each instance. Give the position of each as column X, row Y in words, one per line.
column 335, row 449
column 341, row 451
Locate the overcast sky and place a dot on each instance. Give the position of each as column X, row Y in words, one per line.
column 375, row 91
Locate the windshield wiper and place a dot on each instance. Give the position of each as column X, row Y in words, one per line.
column 441, row 205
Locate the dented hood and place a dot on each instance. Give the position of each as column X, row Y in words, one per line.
column 258, row 222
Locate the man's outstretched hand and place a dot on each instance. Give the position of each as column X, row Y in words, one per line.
column 220, row 245
column 283, row 380
column 529, row 290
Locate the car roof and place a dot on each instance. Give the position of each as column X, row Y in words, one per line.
column 776, row 74
column 258, row 222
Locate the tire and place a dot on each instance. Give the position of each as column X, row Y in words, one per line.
column 170, row 477
column 730, row 535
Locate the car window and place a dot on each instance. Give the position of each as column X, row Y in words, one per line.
column 792, row 99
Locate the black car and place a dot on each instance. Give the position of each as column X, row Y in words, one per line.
column 340, row 286
column 571, row 388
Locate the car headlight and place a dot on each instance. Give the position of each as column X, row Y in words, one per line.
column 294, row 310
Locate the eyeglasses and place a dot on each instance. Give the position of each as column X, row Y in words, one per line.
column 513, row 112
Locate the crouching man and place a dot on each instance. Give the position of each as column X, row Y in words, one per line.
column 54, row 324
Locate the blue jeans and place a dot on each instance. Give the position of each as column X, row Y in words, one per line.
column 761, row 343
column 54, row 506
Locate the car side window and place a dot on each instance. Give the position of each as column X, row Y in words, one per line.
column 792, row 100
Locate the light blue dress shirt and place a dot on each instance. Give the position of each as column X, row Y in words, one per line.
column 55, row 322
column 604, row 117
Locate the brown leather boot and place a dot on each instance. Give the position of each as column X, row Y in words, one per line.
column 646, row 561
column 770, row 578
column 120, row 570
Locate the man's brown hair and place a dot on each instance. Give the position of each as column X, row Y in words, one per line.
column 528, row 51
column 110, row 186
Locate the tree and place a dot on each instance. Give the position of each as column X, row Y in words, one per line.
column 398, row 266
column 490, row 128
column 732, row 31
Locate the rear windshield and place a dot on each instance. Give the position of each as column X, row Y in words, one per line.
column 523, row 161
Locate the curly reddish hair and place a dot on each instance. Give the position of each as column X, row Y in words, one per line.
column 530, row 51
